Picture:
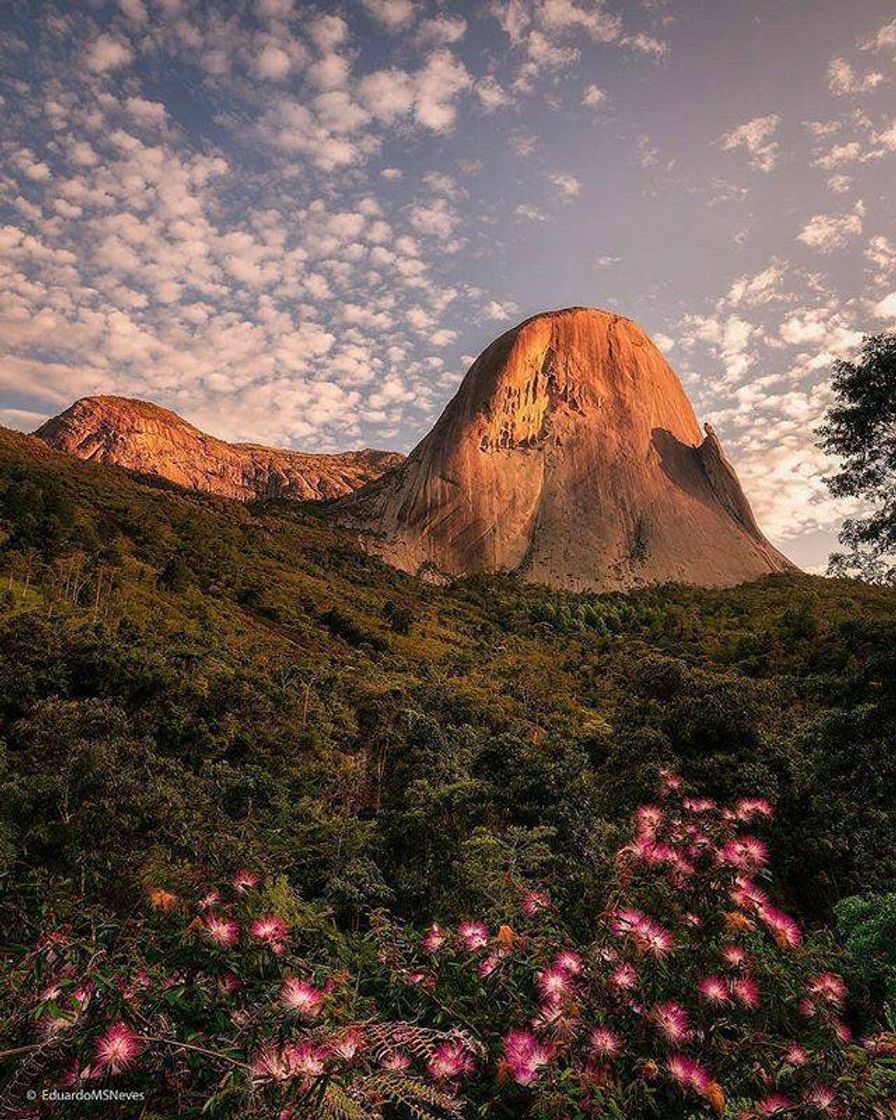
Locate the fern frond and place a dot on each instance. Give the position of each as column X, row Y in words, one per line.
column 415, row 1097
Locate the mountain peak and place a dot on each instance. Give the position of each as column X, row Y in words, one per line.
column 145, row 437
column 571, row 455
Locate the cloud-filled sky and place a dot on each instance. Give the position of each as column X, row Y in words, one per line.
column 297, row 223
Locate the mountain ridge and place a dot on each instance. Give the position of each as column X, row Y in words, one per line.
column 141, row 436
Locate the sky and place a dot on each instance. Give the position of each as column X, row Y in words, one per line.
column 298, row 224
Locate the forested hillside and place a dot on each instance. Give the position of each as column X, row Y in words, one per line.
column 189, row 685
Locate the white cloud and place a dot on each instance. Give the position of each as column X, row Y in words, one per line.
column 107, row 52
column 441, row 31
column 840, row 154
column 881, row 252
column 593, row 96
column 330, row 72
column 646, row 151
column 431, row 92
column 438, row 219
column 565, row 15
column 147, row 113
column 490, row 93
column 272, row 62
column 762, row 288
column 755, row 137
column 843, row 80
column 886, row 308
column 568, row 185
column 826, row 232
column 523, row 143
column 529, row 213
column 395, row 15
column 438, row 83
column 882, row 40
column 839, row 184
column 328, row 32
column 647, row 44
column 135, row 10
column 499, row 310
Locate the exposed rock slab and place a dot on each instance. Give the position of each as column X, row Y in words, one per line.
column 571, row 455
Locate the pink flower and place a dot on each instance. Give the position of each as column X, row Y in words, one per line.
column 423, row 978
column 209, row 900
column 714, row 990
column 842, row 1031
column 488, row 964
column 698, row 804
column 474, row 935
column 671, row 1020
column 273, row 1064
column 648, row 819
column 569, row 961
column 605, row 1042
column 303, row 998
column 624, row 977
column 244, row 880
column 526, row 1056
column 397, row 1061
column 434, row 939
column 829, row 988
column 748, row 896
column 749, row 807
column 270, row 929
column 228, row 982
column 553, row 983
column 747, row 853
column 349, row 1044
column 669, row 782
column 533, row 902
column 688, row 1073
column 450, row 1060
column 648, row 935
column 782, row 927
column 746, row 991
column 221, row 930
column 820, row 1097
column 796, row 1055
column 117, row 1048
column 306, row 1058
column 269, row 1064
column 774, row 1105
column 735, row 956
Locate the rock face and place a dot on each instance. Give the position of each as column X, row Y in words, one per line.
column 153, row 441
column 572, row 456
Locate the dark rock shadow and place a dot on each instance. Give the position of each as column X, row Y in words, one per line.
column 681, row 463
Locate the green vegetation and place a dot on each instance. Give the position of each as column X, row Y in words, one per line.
column 860, row 428
column 189, row 685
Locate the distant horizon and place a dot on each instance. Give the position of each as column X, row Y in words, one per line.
column 297, row 224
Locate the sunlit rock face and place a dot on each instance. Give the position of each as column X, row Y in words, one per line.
column 154, row 441
column 570, row 455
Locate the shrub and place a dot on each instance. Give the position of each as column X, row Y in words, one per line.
column 692, row 994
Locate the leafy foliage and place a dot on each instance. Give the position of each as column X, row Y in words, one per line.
column 689, row 994
column 860, row 427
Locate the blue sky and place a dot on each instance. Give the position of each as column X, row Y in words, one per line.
column 297, row 223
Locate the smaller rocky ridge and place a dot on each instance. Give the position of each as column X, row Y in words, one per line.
column 150, row 440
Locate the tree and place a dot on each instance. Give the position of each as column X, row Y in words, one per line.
column 860, row 428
